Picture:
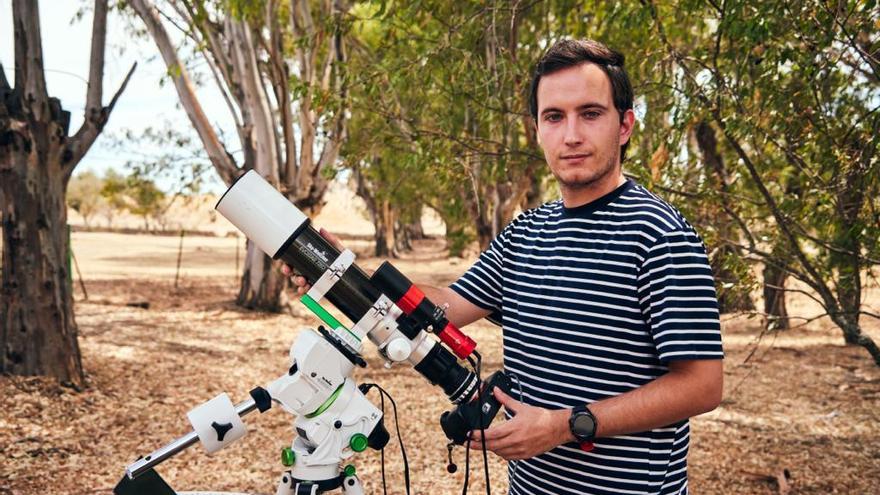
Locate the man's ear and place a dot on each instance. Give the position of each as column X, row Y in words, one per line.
column 627, row 123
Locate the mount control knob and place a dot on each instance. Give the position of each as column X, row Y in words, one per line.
column 398, row 349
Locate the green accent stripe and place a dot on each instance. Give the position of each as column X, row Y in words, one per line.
column 327, row 403
column 326, row 317
column 320, row 312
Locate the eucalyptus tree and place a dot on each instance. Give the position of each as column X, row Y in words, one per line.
column 793, row 92
column 447, row 89
column 280, row 67
column 38, row 332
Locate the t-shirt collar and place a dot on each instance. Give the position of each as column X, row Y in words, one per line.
column 598, row 203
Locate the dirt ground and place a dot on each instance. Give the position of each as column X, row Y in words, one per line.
column 798, row 401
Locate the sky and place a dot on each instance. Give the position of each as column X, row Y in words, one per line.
column 66, row 45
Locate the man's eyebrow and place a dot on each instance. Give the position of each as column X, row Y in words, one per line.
column 587, row 106
column 580, row 108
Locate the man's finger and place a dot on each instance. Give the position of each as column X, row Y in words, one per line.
column 495, row 444
column 286, row 270
column 507, row 401
column 334, row 241
column 493, row 433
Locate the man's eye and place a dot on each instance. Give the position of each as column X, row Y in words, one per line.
column 591, row 115
column 553, row 117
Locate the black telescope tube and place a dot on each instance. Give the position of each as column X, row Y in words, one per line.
column 311, row 255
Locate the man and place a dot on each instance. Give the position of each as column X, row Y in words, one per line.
column 607, row 302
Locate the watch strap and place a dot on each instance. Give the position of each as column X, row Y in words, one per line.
column 585, row 445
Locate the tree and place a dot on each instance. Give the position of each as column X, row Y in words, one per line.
column 113, row 191
column 84, row 195
column 281, row 69
column 38, row 333
column 441, row 88
column 792, row 90
column 147, row 200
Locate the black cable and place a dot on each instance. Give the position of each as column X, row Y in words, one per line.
column 406, row 479
column 382, row 450
column 382, row 394
column 482, row 430
column 467, row 465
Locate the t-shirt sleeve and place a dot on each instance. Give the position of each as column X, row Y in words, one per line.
column 482, row 283
column 677, row 298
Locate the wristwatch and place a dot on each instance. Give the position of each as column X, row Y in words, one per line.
column 583, row 426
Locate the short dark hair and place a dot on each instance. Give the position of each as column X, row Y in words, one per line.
column 570, row 53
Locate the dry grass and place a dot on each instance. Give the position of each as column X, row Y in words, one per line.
column 801, row 402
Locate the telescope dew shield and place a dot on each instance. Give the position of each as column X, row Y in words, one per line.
column 284, row 232
column 265, row 216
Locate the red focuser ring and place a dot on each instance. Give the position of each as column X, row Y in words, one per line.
column 461, row 344
column 411, row 299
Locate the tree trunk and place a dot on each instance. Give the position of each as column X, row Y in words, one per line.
column 736, row 297
column 775, row 276
column 535, row 194
column 261, row 282
column 389, row 219
column 38, row 334
column 846, row 261
column 847, row 237
column 381, row 240
column 413, row 227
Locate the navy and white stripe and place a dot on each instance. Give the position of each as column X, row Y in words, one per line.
column 596, row 301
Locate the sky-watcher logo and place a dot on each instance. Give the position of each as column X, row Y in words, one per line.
column 321, row 254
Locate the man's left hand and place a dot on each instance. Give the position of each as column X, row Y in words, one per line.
column 531, row 431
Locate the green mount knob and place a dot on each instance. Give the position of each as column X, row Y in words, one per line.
column 287, row 456
column 358, row 442
column 349, row 470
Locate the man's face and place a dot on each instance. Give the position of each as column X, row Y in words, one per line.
column 578, row 126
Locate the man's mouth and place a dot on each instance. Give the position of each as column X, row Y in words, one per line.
column 577, row 156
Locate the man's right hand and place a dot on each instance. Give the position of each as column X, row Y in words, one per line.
column 302, row 285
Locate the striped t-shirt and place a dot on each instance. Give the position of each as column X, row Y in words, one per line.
column 595, row 301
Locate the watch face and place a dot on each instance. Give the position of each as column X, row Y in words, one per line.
column 583, row 425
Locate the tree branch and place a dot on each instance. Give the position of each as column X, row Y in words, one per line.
column 94, row 94
column 30, row 79
column 80, row 143
column 818, row 282
column 219, row 156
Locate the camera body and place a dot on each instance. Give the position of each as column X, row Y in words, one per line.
column 478, row 413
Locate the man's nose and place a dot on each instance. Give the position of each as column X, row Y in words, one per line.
column 573, row 132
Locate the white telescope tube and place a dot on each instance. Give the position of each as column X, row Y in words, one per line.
column 264, row 215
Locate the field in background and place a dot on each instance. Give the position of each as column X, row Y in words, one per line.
column 798, row 401
column 344, row 212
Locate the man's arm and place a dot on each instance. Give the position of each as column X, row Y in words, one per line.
column 689, row 388
column 460, row 311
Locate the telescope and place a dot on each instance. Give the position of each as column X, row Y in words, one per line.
column 334, row 419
